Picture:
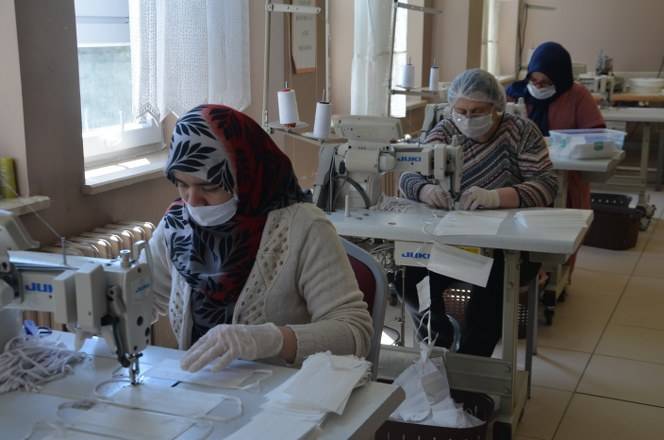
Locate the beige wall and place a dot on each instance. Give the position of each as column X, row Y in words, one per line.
column 629, row 31
column 456, row 36
column 12, row 136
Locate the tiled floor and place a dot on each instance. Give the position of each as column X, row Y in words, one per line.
column 614, row 316
column 599, row 373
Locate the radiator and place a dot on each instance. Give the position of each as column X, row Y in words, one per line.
column 107, row 241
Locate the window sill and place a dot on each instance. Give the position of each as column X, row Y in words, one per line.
column 25, row 205
column 124, row 173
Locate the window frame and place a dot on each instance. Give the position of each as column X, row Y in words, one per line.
column 141, row 136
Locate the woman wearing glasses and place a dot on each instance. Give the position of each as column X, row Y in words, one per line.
column 506, row 165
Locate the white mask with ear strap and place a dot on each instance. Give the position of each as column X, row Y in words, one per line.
column 473, row 128
column 213, row 215
column 541, row 93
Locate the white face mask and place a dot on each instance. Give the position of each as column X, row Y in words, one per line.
column 473, row 128
column 213, row 215
column 542, row 93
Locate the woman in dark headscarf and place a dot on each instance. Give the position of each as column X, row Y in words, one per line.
column 555, row 102
column 243, row 267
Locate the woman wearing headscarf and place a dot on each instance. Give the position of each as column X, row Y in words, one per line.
column 555, row 102
column 243, row 267
column 505, row 165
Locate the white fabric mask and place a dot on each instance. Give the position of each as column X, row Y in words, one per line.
column 473, row 128
column 213, row 215
column 541, row 93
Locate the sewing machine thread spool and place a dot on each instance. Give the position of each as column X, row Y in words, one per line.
column 287, row 102
column 323, row 119
column 347, row 205
column 408, row 75
column 433, row 76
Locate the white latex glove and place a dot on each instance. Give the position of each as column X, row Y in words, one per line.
column 435, row 196
column 229, row 342
column 479, row 198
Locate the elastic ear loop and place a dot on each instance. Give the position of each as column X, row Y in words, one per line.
column 88, row 404
column 109, row 400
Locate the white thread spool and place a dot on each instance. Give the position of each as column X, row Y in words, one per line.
column 433, row 77
column 408, row 75
column 287, row 101
column 347, row 206
column 322, row 120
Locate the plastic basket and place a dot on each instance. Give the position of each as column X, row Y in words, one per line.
column 615, row 225
column 604, row 199
column 480, row 405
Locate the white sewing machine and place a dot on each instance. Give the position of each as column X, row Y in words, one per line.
column 354, row 169
column 93, row 296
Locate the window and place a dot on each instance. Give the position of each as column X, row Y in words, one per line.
column 407, row 47
column 110, row 130
column 499, row 37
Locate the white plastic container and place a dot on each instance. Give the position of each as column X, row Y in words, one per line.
column 646, row 86
column 593, row 143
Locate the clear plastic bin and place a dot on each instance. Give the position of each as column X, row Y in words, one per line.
column 593, row 143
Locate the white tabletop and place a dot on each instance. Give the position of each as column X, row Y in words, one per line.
column 588, row 165
column 367, row 409
column 633, row 114
column 415, row 227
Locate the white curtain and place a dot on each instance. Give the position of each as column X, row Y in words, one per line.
column 371, row 57
column 188, row 52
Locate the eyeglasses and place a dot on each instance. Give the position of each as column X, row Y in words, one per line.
column 458, row 114
column 541, row 83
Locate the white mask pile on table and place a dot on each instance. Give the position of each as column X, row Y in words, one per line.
column 295, row 409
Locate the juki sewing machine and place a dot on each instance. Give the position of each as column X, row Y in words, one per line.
column 93, row 296
column 352, row 170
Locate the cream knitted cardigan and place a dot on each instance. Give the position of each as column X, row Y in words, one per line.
column 301, row 278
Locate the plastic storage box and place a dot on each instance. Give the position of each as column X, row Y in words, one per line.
column 615, row 225
column 594, row 143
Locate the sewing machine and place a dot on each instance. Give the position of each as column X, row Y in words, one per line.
column 352, row 170
column 93, row 296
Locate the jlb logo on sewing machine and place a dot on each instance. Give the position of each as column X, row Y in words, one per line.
column 409, row 159
column 39, row 287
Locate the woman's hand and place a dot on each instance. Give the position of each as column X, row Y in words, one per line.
column 229, row 342
column 435, row 197
column 479, row 198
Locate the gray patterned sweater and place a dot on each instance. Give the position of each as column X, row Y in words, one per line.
column 516, row 156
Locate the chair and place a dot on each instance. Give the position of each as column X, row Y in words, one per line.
column 433, row 113
column 372, row 281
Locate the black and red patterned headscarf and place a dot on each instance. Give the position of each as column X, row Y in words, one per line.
column 223, row 146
